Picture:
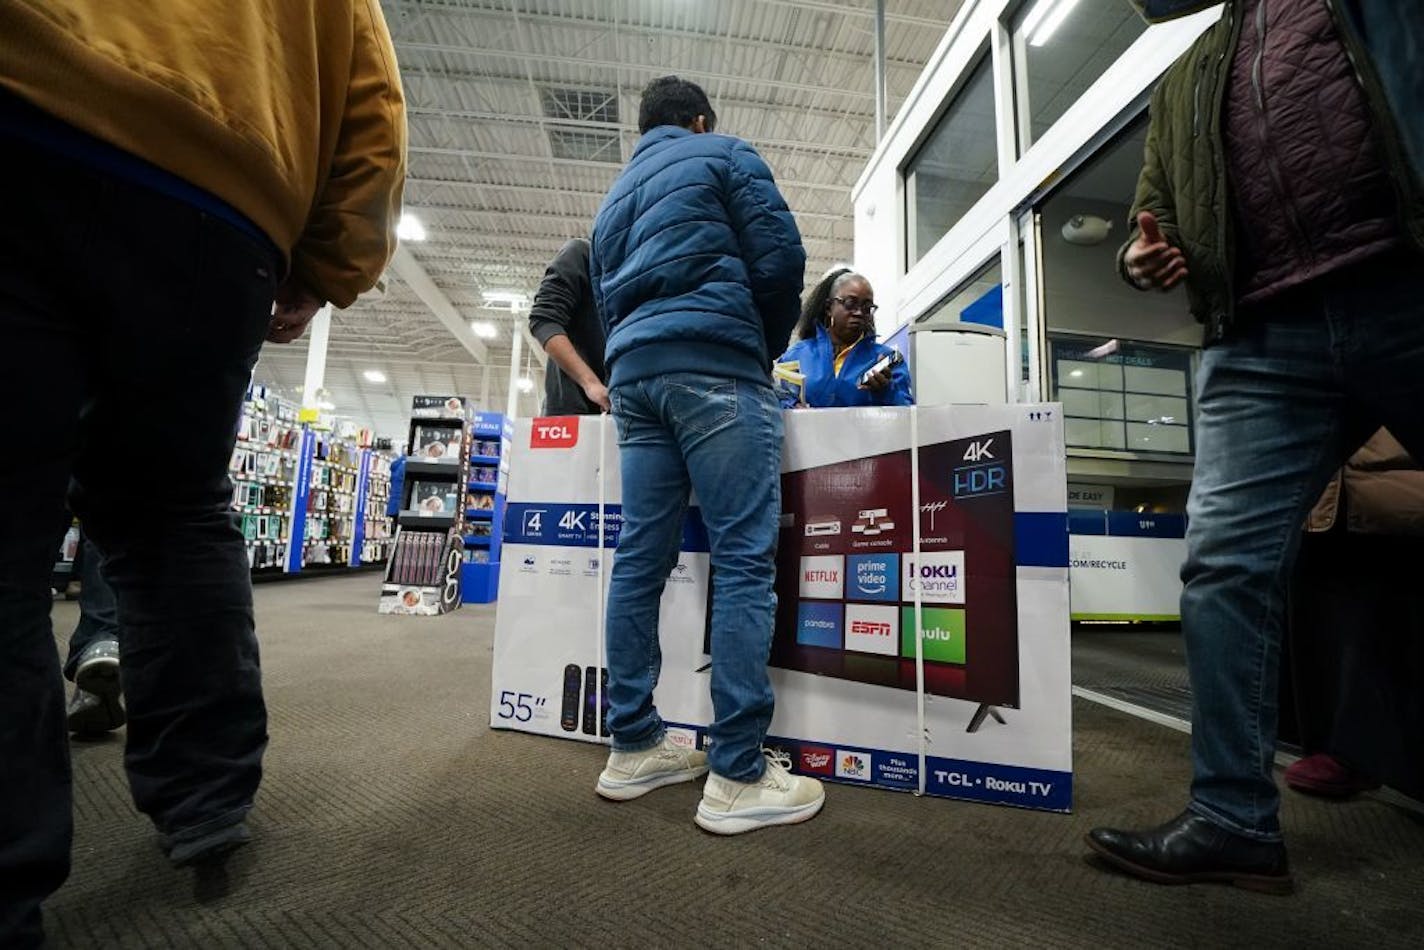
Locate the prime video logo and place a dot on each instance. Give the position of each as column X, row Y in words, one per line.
column 872, row 576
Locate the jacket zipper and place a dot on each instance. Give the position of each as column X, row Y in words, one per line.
column 1297, row 227
column 1227, row 317
column 1196, row 99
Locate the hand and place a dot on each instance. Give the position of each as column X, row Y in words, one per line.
column 878, row 382
column 597, row 394
column 1152, row 263
column 293, row 308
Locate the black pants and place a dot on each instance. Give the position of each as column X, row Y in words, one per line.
column 98, row 610
column 1354, row 654
column 130, row 325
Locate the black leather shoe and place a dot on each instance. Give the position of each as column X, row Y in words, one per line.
column 1190, row 849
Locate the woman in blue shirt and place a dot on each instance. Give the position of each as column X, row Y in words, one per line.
column 834, row 347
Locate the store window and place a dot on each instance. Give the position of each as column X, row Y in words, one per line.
column 1061, row 47
column 957, row 164
column 979, row 300
column 1129, row 397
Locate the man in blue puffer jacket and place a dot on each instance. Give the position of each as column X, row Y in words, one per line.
column 696, row 268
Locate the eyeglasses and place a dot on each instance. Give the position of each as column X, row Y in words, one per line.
column 856, row 305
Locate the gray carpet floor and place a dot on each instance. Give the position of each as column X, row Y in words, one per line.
column 392, row 816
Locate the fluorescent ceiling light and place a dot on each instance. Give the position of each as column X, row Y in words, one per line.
column 509, row 298
column 483, row 329
column 410, row 228
column 1045, row 18
column 374, row 376
column 525, row 384
column 325, row 404
column 1076, row 373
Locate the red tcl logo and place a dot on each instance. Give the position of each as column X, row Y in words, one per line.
column 554, row 432
column 817, row 760
column 866, row 628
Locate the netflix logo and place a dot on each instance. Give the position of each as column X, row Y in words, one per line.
column 823, row 576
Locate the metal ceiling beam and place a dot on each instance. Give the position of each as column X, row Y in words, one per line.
column 409, row 270
column 819, row 148
column 625, row 29
column 522, row 56
column 609, row 167
column 485, row 79
column 839, row 8
column 542, row 192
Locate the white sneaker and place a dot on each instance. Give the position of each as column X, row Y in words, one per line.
column 777, row 798
column 631, row 774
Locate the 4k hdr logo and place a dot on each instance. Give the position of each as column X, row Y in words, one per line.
column 554, row 432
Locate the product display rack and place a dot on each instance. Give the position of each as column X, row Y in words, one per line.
column 263, row 469
column 423, row 575
column 331, row 506
column 484, row 506
column 373, row 538
column 299, row 493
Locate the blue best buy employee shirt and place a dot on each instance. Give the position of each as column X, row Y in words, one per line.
column 825, row 389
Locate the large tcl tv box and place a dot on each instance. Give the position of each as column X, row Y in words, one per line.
column 921, row 631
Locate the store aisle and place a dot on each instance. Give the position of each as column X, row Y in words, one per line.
column 392, row 816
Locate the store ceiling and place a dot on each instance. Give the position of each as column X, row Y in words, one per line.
column 521, row 112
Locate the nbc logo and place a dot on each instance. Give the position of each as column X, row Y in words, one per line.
column 852, row 765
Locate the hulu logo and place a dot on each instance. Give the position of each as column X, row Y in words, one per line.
column 943, row 634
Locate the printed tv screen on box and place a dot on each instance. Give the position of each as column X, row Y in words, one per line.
column 977, row 619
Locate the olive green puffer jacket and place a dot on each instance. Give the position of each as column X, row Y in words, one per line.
column 1184, row 174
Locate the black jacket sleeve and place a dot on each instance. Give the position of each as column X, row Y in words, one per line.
column 565, row 285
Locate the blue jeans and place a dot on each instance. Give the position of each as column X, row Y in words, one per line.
column 98, row 611
column 720, row 438
column 1281, row 405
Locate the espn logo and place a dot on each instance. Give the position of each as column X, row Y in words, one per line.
column 554, row 432
column 872, row 629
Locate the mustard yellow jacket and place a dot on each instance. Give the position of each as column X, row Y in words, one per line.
column 289, row 110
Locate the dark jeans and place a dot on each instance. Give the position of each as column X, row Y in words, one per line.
column 1281, row 405
column 98, row 610
column 1354, row 670
column 132, row 322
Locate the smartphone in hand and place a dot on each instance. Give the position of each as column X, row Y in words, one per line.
column 881, row 365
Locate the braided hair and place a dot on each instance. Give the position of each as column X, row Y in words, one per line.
column 813, row 312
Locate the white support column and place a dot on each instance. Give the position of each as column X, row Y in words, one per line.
column 516, row 353
column 318, row 335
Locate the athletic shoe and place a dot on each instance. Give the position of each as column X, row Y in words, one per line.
column 98, row 668
column 206, row 849
column 90, row 714
column 96, row 707
column 777, row 798
column 633, row 774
